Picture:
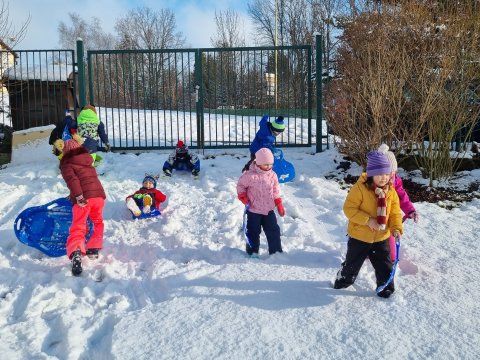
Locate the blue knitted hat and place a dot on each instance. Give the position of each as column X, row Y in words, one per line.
column 278, row 124
column 152, row 179
column 377, row 164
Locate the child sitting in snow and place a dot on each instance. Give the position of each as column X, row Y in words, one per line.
column 258, row 188
column 146, row 198
column 405, row 204
column 373, row 211
column 88, row 198
column 265, row 136
column 182, row 159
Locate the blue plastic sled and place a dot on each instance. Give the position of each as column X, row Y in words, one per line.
column 284, row 169
column 153, row 213
column 46, row 227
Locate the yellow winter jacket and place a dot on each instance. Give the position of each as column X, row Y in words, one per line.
column 361, row 204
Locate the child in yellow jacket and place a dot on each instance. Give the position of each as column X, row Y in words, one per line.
column 373, row 211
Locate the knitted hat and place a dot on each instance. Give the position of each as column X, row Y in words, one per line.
column 91, row 107
column 264, row 156
column 278, row 125
column 69, row 145
column 377, row 164
column 152, row 179
column 390, row 155
column 181, row 147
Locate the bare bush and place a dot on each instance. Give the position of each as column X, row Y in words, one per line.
column 404, row 76
column 11, row 34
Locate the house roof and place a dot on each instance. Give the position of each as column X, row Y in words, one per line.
column 4, row 46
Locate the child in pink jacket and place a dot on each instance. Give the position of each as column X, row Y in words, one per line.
column 258, row 189
column 405, row 204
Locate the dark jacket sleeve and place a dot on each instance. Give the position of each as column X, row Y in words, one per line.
column 102, row 133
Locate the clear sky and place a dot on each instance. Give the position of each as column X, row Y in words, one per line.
column 194, row 18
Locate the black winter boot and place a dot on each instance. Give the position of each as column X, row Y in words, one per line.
column 341, row 282
column 76, row 257
column 92, row 253
column 385, row 293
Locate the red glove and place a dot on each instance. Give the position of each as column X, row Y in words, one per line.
column 280, row 208
column 243, row 198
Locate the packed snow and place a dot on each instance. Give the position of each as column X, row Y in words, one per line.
column 180, row 287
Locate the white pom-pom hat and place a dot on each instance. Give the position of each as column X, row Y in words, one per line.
column 390, row 155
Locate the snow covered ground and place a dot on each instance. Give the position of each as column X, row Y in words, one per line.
column 180, row 287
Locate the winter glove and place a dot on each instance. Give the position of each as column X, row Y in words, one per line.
column 81, row 201
column 413, row 215
column 133, row 207
column 147, row 204
column 243, row 198
column 280, row 208
column 107, row 147
column 77, row 138
column 59, row 144
column 396, row 232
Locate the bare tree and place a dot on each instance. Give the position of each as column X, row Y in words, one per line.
column 229, row 30
column 9, row 34
column 91, row 33
column 144, row 28
column 262, row 13
column 403, row 76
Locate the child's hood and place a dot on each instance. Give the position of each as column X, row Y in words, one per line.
column 87, row 116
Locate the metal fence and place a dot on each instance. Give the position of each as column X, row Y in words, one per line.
column 148, row 99
column 37, row 87
column 211, row 98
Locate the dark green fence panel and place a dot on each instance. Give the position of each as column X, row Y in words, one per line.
column 239, row 85
column 210, row 98
column 146, row 98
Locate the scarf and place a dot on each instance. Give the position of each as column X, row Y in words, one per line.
column 381, row 207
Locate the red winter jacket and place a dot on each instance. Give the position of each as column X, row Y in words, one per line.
column 80, row 176
column 157, row 195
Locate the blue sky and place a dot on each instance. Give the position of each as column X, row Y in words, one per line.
column 194, row 18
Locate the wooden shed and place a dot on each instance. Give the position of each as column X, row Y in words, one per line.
column 39, row 97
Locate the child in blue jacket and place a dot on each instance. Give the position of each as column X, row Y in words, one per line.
column 265, row 136
column 182, row 159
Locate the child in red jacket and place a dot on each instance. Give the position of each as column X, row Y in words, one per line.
column 88, row 198
column 146, row 197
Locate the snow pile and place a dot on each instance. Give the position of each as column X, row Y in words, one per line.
column 180, row 287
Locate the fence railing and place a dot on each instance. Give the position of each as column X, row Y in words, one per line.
column 210, row 98
column 37, row 87
column 207, row 97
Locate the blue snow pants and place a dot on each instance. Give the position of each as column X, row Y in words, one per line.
column 255, row 223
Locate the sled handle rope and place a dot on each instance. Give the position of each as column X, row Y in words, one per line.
column 392, row 274
column 247, row 240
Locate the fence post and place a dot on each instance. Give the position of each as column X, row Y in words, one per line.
column 81, row 74
column 199, row 98
column 318, row 77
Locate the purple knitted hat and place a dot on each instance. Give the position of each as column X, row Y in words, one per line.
column 377, row 164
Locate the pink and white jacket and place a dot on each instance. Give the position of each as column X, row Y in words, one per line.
column 405, row 203
column 261, row 188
